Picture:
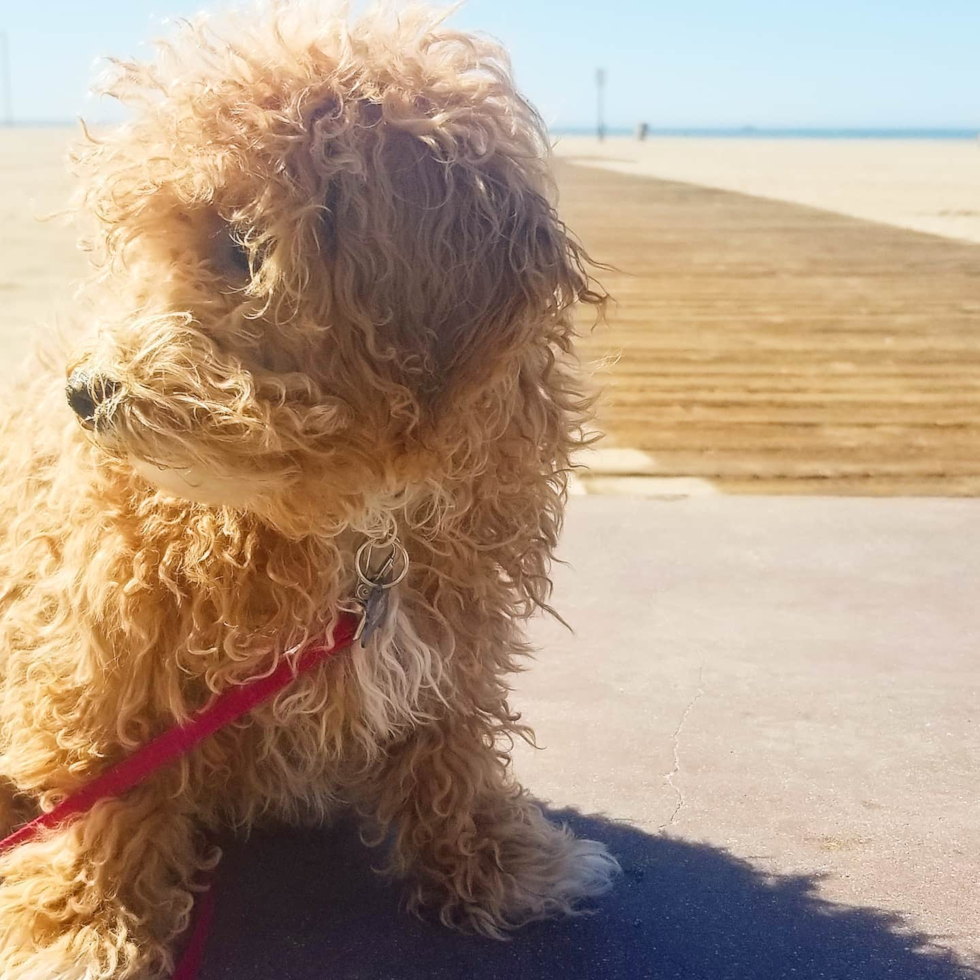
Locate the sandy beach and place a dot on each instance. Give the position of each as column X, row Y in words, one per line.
column 38, row 258
column 757, row 345
column 926, row 185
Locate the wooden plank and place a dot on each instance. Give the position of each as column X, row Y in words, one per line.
column 777, row 348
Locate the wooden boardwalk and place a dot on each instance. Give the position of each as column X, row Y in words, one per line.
column 773, row 348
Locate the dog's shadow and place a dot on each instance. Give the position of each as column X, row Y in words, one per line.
column 306, row 905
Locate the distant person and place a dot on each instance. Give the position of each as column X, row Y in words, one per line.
column 641, row 131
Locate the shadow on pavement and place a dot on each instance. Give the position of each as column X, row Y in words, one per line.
column 305, row 905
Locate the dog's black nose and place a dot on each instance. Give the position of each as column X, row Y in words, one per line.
column 86, row 392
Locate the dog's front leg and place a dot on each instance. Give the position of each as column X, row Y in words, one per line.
column 479, row 851
column 104, row 897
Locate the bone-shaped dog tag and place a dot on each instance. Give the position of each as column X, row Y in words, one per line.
column 375, row 607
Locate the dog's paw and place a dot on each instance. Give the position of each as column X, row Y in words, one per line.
column 53, row 944
column 80, row 956
column 43, row 964
column 586, row 870
column 531, row 869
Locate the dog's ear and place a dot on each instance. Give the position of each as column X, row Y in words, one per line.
column 502, row 270
column 455, row 259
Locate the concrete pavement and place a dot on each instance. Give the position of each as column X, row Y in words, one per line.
column 770, row 710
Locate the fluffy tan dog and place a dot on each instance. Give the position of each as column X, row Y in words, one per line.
column 331, row 303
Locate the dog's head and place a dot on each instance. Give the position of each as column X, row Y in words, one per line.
column 326, row 261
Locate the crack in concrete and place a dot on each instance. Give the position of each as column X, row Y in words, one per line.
column 675, row 746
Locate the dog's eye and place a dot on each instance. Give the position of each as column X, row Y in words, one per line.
column 238, row 257
column 230, row 253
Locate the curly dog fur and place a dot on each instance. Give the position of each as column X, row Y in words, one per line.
column 331, row 301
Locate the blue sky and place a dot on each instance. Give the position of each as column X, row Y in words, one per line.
column 767, row 63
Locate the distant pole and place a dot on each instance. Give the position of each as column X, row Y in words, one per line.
column 600, row 88
column 8, row 98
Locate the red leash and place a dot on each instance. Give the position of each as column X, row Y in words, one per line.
column 190, row 961
column 170, row 745
column 228, row 707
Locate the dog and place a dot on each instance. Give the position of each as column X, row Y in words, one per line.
column 330, row 306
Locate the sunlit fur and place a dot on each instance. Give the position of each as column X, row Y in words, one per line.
column 330, row 284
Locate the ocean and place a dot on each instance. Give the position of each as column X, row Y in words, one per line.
column 752, row 132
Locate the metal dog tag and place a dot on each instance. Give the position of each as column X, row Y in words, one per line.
column 375, row 612
column 372, row 591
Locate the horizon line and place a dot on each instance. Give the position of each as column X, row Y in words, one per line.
column 652, row 129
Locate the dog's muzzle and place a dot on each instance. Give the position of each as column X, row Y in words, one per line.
column 87, row 393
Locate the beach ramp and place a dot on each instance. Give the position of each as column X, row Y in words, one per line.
column 770, row 347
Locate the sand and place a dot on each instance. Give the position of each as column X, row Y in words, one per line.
column 927, row 185
column 759, row 346
column 38, row 259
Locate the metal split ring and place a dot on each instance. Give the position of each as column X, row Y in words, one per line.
column 397, row 559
